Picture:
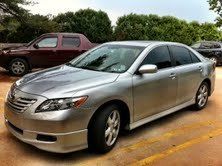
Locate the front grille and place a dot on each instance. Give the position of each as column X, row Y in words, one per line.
column 20, row 104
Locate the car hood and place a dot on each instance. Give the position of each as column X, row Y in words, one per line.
column 63, row 81
column 14, row 48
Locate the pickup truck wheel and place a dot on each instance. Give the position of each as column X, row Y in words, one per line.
column 18, row 67
column 215, row 60
column 104, row 131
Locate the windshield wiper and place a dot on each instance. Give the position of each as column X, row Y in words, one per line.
column 105, row 68
column 69, row 64
column 87, row 68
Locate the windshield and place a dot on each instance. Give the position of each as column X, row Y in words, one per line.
column 108, row 58
column 196, row 45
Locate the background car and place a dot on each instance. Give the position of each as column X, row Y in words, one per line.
column 210, row 49
column 46, row 51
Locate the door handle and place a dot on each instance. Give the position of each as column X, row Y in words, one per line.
column 200, row 68
column 172, row 76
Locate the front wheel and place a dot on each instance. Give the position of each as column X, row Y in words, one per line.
column 202, row 96
column 18, row 67
column 104, row 130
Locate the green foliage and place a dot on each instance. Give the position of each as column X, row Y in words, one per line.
column 18, row 25
column 13, row 8
column 96, row 25
column 23, row 32
column 216, row 6
column 167, row 28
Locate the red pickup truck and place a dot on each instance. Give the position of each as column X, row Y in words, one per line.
column 46, row 51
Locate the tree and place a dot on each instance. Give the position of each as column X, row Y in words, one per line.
column 96, row 25
column 216, row 5
column 13, row 7
column 166, row 28
column 131, row 27
column 23, row 32
column 66, row 21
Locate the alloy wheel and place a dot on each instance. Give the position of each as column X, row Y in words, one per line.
column 202, row 95
column 18, row 68
column 214, row 59
column 112, row 128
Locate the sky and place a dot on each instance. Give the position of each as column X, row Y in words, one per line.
column 189, row 10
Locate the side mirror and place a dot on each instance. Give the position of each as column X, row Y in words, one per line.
column 36, row 46
column 148, row 69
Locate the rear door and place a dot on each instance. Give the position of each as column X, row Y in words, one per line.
column 154, row 93
column 189, row 69
column 69, row 49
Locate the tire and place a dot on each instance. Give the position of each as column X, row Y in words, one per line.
column 202, row 94
column 104, row 131
column 18, row 67
column 215, row 60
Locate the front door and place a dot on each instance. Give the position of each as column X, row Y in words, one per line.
column 154, row 93
column 43, row 53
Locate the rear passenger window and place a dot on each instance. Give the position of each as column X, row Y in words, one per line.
column 70, row 41
column 194, row 58
column 160, row 57
column 207, row 45
column 181, row 55
column 217, row 45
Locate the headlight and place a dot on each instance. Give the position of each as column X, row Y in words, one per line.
column 5, row 51
column 61, row 104
column 19, row 82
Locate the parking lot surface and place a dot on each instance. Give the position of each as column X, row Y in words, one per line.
column 183, row 138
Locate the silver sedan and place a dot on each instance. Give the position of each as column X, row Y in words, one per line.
column 116, row 86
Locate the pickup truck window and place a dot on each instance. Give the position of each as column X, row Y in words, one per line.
column 70, row 41
column 48, row 42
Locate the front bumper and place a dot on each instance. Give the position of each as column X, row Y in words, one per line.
column 52, row 142
column 58, row 131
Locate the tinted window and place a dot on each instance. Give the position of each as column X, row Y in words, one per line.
column 70, row 41
column 194, row 58
column 160, row 57
column 181, row 55
column 48, row 42
column 207, row 45
column 216, row 45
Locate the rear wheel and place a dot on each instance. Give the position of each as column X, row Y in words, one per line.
column 18, row 67
column 215, row 60
column 202, row 96
column 104, row 131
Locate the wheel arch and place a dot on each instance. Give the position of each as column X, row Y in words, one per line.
column 19, row 57
column 124, row 112
column 208, row 81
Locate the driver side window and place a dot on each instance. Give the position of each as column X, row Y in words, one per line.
column 160, row 57
column 48, row 42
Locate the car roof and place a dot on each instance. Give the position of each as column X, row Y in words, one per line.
column 79, row 34
column 142, row 43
